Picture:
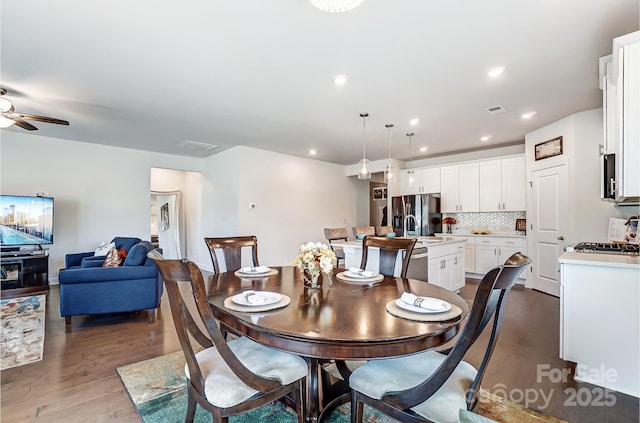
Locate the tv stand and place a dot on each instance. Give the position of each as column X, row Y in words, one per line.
column 24, row 273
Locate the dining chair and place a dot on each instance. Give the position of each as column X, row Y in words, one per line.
column 224, row 377
column 336, row 373
column 363, row 231
column 336, row 234
column 433, row 386
column 384, row 230
column 389, row 248
column 231, row 248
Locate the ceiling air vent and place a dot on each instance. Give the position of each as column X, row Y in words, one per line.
column 496, row 109
column 195, row 145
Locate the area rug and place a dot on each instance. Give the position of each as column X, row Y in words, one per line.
column 157, row 389
column 22, row 337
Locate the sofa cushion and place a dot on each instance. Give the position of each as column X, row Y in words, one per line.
column 126, row 242
column 112, row 259
column 137, row 255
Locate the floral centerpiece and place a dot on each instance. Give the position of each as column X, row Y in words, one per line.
column 314, row 258
column 449, row 221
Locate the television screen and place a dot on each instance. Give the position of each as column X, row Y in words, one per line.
column 26, row 220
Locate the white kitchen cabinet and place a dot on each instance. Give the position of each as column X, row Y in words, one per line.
column 425, row 181
column 446, row 266
column 626, row 67
column 502, row 184
column 494, row 251
column 459, row 186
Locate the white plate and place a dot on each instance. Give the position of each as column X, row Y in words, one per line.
column 415, row 309
column 359, row 276
column 269, row 298
column 255, row 271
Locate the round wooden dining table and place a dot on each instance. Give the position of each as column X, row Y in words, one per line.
column 340, row 320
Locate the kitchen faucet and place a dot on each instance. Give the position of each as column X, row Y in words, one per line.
column 406, row 221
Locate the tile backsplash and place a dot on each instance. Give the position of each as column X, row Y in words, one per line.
column 494, row 222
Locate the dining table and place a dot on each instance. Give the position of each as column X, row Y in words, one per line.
column 343, row 319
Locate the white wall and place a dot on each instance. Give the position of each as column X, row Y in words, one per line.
column 581, row 136
column 100, row 191
column 295, row 198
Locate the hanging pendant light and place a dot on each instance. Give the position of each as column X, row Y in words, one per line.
column 365, row 172
column 410, row 174
column 389, row 171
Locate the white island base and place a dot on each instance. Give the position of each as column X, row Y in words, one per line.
column 600, row 319
column 444, row 265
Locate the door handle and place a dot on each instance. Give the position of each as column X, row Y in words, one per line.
column 561, row 238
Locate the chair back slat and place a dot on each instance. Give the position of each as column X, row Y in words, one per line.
column 389, row 249
column 363, row 230
column 231, row 248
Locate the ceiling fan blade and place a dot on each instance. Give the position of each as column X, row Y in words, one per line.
column 43, row 119
column 24, row 125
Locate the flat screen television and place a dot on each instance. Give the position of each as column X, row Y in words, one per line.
column 25, row 220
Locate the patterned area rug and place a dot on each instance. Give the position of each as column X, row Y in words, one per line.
column 157, row 389
column 22, row 337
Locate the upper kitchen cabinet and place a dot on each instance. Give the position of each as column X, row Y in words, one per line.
column 459, row 187
column 502, row 184
column 620, row 84
column 425, row 181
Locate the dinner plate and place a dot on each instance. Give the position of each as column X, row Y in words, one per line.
column 254, row 270
column 350, row 274
column 269, row 298
column 415, row 309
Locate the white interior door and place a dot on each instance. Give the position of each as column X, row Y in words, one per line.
column 548, row 220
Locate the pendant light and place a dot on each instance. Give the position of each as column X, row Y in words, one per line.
column 389, row 171
column 365, row 172
column 410, row 175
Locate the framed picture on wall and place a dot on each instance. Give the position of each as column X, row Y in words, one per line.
column 550, row 148
column 164, row 217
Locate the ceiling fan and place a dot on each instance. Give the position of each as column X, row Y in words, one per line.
column 9, row 117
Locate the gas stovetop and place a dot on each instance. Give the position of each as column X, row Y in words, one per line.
column 605, row 247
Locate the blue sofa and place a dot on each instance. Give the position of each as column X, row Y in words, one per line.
column 88, row 288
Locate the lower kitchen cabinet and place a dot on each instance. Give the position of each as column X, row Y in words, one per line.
column 494, row 251
column 446, row 267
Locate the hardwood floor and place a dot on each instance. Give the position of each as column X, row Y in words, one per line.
column 76, row 381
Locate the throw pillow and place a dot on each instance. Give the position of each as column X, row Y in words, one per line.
column 122, row 254
column 103, row 249
column 112, row 259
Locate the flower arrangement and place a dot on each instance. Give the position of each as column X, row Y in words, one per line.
column 314, row 257
column 449, row 221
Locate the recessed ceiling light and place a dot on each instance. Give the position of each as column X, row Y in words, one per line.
column 312, row 152
column 485, row 138
column 423, row 149
column 340, row 79
column 528, row 115
column 414, row 121
column 496, row 72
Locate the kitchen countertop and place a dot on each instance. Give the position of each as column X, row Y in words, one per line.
column 494, row 234
column 601, row 259
column 421, row 241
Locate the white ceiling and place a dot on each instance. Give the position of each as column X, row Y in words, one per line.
column 148, row 74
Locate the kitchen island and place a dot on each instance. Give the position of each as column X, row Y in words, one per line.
column 600, row 319
column 438, row 260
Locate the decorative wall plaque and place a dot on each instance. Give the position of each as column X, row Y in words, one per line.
column 549, row 148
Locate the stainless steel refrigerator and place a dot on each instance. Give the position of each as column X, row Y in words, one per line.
column 424, row 207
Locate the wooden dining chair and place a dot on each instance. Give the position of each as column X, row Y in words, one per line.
column 384, row 230
column 433, row 386
column 337, row 234
column 363, row 231
column 389, row 250
column 336, row 373
column 231, row 248
column 224, row 377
